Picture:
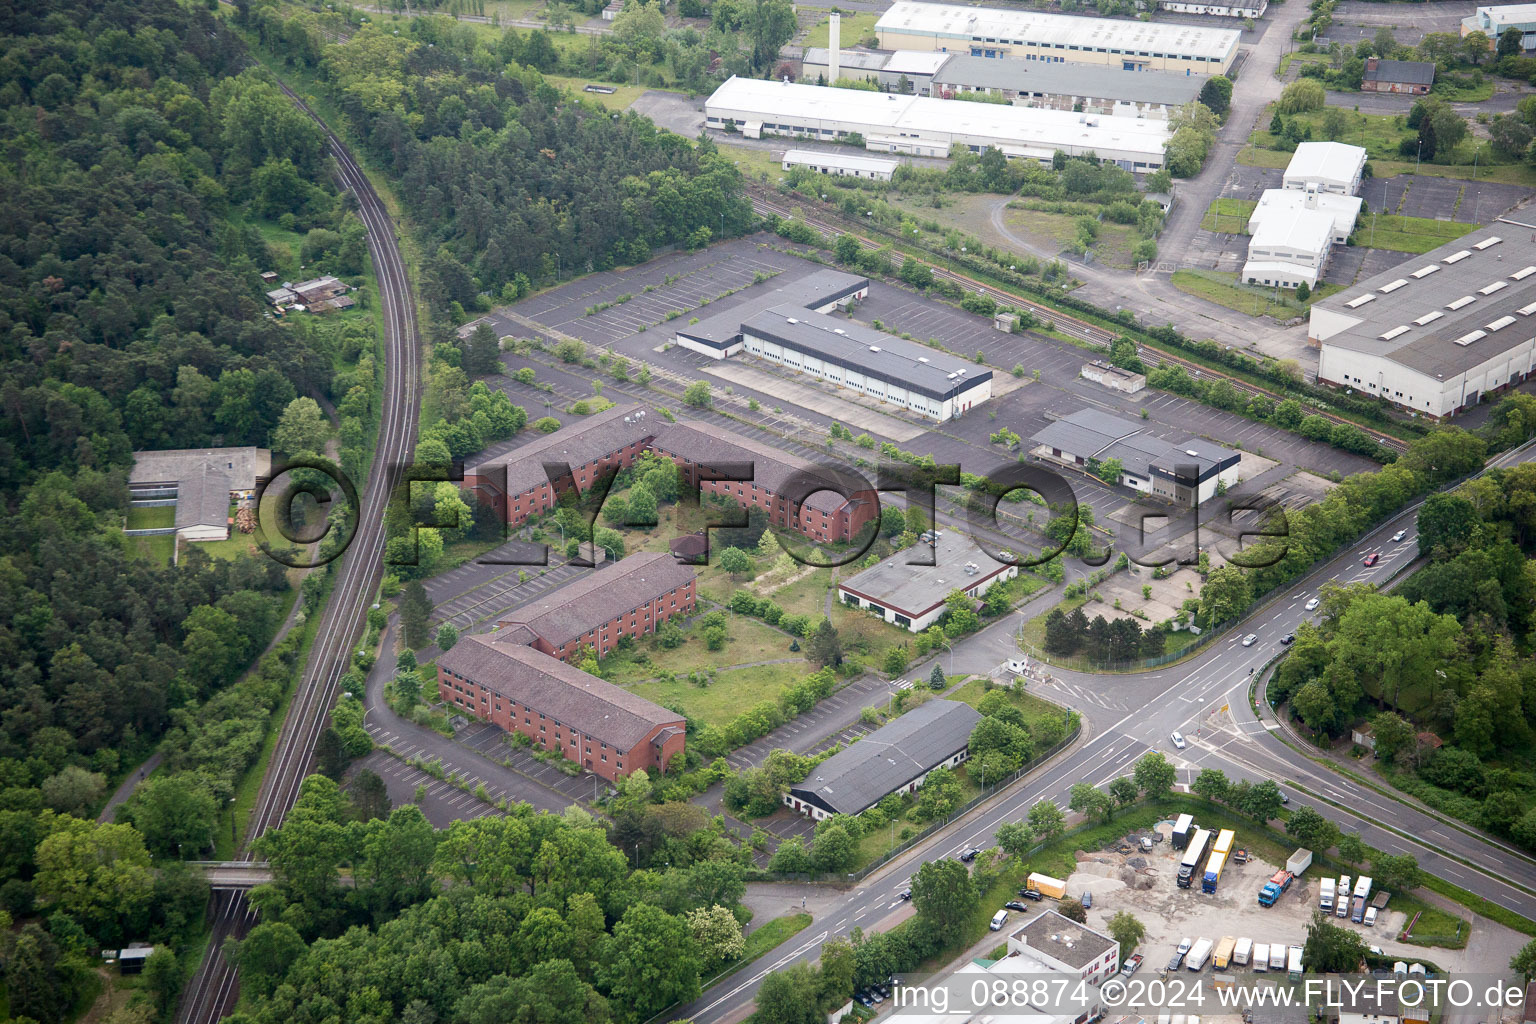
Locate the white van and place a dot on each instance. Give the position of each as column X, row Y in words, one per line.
column 998, row 920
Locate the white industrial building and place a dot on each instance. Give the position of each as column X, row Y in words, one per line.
column 1286, row 251
column 719, row 336
column 914, row 377
column 1058, row 38
column 1436, row 334
column 922, row 126
column 912, row 596
column 1184, row 473
column 1283, row 204
column 1251, row 9
column 842, row 164
column 1493, row 22
column 1326, row 167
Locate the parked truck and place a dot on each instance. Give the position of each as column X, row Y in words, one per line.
column 1299, row 862
column 1341, row 902
column 1326, row 889
column 1213, row 871
column 1363, row 887
column 1183, row 828
column 1045, row 885
column 1293, row 963
column 1277, row 884
column 1357, row 909
column 1198, row 955
column 1224, row 950
column 1260, row 957
column 1194, row 857
column 1277, row 956
column 1243, row 952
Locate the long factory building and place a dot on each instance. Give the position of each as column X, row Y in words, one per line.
column 1437, row 333
column 1058, row 38
column 923, row 126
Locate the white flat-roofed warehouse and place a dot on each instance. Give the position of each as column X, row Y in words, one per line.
column 1283, row 204
column 894, row 758
column 1439, row 332
column 1058, row 38
column 841, row 164
column 1286, row 251
column 719, row 336
column 923, row 380
column 1093, row 90
column 922, row 126
column 1179, row 472
column 912, row 596
column 1326, row 167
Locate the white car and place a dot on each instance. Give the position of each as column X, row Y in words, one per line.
column 1178, row 740
column 1311, row 605
column 1250, row 639
column 1399, row 535
column 1370, row 917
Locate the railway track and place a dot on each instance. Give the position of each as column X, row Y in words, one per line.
column 212, row 991
column 1062, row 322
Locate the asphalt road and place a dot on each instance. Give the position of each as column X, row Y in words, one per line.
column 1179, row 698
column 212, row 991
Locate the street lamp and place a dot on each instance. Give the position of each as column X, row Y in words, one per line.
column 233, row 842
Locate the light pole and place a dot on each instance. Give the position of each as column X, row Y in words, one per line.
column 233, row 842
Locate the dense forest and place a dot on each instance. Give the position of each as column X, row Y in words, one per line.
column 513, row 182
column 146, row 181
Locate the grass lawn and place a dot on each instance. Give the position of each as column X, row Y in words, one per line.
column 154, row 549
column 153, row 517
column 772, row 934
column 238, row 544
column 620, row 99
column 1229, row 216
column 1112, row 247
column 1034, row 629
column 1253, row 156
column 1471, row 94
column 747, row 640
column 728, row 694
column 1036, row 709
column 1435, row 927
column 1223, row 289
column 1300, row 58
column 1408, row 234
column 855, row 27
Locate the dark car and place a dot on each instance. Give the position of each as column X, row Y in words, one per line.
column 1288, row 639
column 1014, row 905
column 864, row 998
column 1087, row 901
column 970, row 855
column 1177, row 962
column 905, row 894
column 1030, row 894
column 1371, row 559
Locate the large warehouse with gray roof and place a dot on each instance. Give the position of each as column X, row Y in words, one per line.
column 1437, row 333
column 895, row 758
column 1190, row 471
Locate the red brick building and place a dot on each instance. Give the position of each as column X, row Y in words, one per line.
column 1415, row 77
column 825, row 516
column 515, row 484
column 603, row 728
column 631, row 598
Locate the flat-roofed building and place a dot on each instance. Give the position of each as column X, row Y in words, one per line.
column 515, row 483
column 914, row 377
column 1283, row 204
column 912, row 596
column 1288, row 251
column 1058, row 38
column 1114, row 377
column 604, row 728
column 1439, row 332
column 1078, row 88
column 719, row 336
column 895, row 758
column 824, row 516
column 1182, row 472
column 632, row 597
column 200, row 483
column 1325, row 167
column 923, row 126
column 1068, row 947
column 1494, row 21
column 852, row 65
column 844, row 165
column 1237, row 9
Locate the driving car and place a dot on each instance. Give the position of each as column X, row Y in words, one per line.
column 905, row 894
column 1399, row 535
column 1288, row 639
column 1178, row 740
column 1014, row 905
column 1284, row 797
column 970, row 855
column 1311, row 605
column 1250, row 639
column 1131, row 966
column 1371, row 559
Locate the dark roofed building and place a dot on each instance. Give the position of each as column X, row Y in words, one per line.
column 1410, row 76
column 895, row 758
column 913, row 596
column 602, row 727
column 514, row 481
column 1179, row 472
column 720, row 336
column 1067, row 86
column 200, row 482
column 631, row 598
column 825, row 516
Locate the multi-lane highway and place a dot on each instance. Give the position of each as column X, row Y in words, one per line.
column 212, row 991
column 1180, row 698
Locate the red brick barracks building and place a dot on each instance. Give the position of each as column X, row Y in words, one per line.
column 632, row 598
column 605, row 729
column 516, row 485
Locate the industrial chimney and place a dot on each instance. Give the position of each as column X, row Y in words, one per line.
column 834, row 48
